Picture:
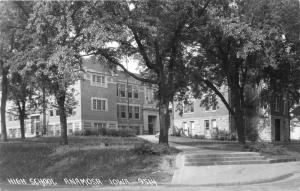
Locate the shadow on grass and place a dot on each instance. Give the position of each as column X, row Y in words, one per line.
column 28, row 161
column 39, row 158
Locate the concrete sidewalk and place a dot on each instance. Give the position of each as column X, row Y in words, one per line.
column 228, row 174
column 225, row 174
column 233, row 174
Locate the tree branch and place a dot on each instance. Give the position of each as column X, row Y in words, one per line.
column 217, row 92
column 143, row 52
column 117, row 63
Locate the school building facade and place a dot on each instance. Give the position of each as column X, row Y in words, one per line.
column 273, row 123
column 106, row 99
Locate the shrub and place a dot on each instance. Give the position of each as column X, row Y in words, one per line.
column 90, row 131
column 222, row 135
column 176, row 132
column 266, row 148
column 120, row 132
column 153, row 149
column 106, row 132
column 78, row 133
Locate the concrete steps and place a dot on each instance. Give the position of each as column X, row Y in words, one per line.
column 237, row 158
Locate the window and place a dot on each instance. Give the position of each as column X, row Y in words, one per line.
column 188, row 108
column 57, row 112
column 132, row 91
column 130, row 112
column 98, row 80
column 206, row 124
column 192, row 126
column 135, row 92
column 149, row 96
column 214, row 123
column 100, row 125
column 70, row 111
column 129, row 91
column 214, row 106
column 87, row 124
column 284, row 107
column 123, row 111
column 207, row 108
column 136, row 112
column 99, row 104
column 51, row 113
column 121, row 90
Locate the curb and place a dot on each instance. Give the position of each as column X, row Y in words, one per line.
column 282, row 177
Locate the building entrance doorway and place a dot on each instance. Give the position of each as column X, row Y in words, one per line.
column 277, row 129
column 35, row 125
column 151, row 124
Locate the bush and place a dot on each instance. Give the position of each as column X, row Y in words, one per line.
column 200, row 136
column 266, row 148
column 78, row 133
column 223, row 135
column 153, row 149
column 176, row 132
column 120, row 132
column 105, row 132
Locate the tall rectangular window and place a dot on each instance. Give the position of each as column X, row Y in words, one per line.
column 206, row 124
column 129, row 91
column 284, row 107
column 136, row 112
column 99, row 104
column 135, row 92
column 130, row 112
column 123, row 111
column 51, row 112
column 122, row 90
column 149, row 96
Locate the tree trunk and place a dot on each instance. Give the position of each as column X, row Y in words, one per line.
column 22, row 123
column 237, row 99
column 3, row 102
column 164, row 120
column 44, row 112
column 63, row 118
column 240, row 124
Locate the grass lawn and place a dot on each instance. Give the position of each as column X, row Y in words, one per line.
column 84, row 157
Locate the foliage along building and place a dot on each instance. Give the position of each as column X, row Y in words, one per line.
column 271, row 119
column 105, row 99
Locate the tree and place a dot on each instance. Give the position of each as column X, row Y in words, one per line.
column 58, row 60
column 153, row 31
column 14, row 17
column 238, row 43
column 20, row 90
